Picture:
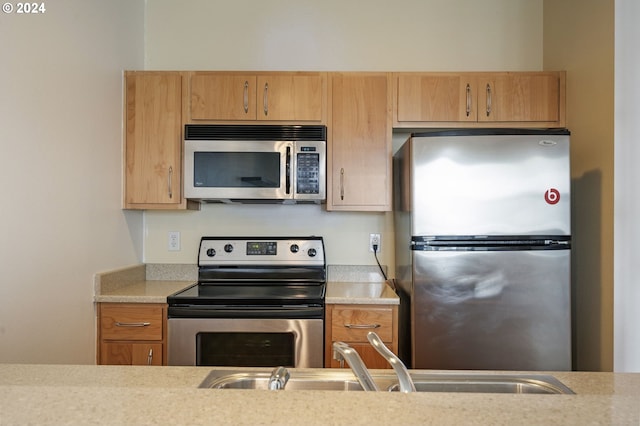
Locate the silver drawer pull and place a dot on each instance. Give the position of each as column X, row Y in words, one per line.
column 132, row 324
column 362, row 326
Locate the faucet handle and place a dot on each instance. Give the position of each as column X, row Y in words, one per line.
column 343, row 352
column 404, row 378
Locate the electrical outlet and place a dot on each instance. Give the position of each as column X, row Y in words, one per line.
column 174, row 241
column 375, row 239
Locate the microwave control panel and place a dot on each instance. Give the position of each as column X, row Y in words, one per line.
column 307, row 172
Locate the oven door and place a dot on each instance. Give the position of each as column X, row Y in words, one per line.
column 246, row 342
column 238, row 169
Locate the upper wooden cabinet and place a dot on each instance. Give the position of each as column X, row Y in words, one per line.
column 153, row 140
column 274, row 96
column 359, row 159
column 434, row 98
column 504, row 99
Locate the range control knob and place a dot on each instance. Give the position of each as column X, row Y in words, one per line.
column 228, row 248
column 211, row 252
column 311, row 252
column 294, row 248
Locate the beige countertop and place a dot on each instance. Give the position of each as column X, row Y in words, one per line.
column 145, row 291
column 338, row 292
column 131, row 285
column 124, row 395
column 371, row 293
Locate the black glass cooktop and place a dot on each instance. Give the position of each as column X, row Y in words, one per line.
column 249, row 294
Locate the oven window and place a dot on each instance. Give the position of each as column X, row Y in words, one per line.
column 236, row 169
column 245, row 349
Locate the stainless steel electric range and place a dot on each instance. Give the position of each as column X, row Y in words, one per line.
column 259, row 302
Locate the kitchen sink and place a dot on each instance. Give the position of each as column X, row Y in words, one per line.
column 339, row 380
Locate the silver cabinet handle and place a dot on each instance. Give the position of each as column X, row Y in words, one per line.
column 169, row 181
column 488, row 99
column 150, row 357
column 362, row 326
column 132, row 324
column 265, row 99
column 342, row 184
column 468, row 100
column 246, row 97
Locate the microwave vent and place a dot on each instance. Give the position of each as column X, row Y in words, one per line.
column 255, row 132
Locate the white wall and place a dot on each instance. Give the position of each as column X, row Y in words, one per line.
column 60, row 147
column 627, row 178
column 326, row 35
column 344, row 34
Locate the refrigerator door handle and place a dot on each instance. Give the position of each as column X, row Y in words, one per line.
column 493, row 243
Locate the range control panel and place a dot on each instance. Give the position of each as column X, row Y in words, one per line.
column 261, row 251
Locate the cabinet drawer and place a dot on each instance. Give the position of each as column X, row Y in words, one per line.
column 127, row 322
column 353, row 324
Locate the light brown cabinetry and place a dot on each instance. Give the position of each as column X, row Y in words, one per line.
column 351, row 323
column 153, row 140
column 359, row 159
column 277, row 96
column 499, row 99
column 132, row 334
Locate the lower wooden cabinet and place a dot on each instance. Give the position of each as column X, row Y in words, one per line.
column 351, row 323
column 132, row 334
column 123, row 353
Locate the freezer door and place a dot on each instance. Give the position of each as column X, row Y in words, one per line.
column 490, row 185
column 496, row 310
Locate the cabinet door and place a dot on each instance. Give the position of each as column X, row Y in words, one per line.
column 126, row 353
column 435, row 98
column 522, row 97
column 218, row 96
column 359, row 174
column 153, row 140
column 290, row 97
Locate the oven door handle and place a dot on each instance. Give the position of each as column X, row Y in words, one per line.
column 288, row 171
column 254, row 312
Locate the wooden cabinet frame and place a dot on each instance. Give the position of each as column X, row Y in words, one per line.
column 285, row 97
column 153, row 140
column 359, row 146
column 479, row 99
column 382, row 319
column 131, row 333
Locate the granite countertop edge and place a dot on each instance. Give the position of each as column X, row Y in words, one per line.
column 88, row 394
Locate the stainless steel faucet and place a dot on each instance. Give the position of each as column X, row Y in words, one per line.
column 344, row 352
column 404, row 378
column 279, row 378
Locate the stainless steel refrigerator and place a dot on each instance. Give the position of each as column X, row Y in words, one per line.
column 483, row 249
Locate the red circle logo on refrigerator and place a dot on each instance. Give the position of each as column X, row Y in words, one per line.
column 552, row 196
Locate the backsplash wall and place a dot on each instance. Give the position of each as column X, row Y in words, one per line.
column 346, row 234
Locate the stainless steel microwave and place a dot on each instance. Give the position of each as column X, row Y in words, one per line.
column 255, row 163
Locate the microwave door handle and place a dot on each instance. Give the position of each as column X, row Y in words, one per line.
column 288, row 171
